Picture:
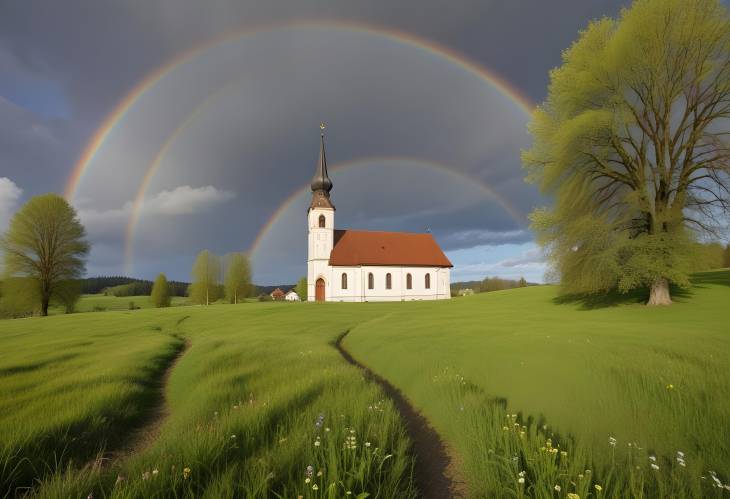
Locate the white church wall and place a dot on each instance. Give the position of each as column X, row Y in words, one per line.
column 357, row 284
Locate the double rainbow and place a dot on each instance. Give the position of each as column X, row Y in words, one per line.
column 117, row 115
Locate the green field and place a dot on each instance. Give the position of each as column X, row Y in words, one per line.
column 103, row 303
column 260, row 393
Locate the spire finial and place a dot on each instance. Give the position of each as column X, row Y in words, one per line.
column 322, row 126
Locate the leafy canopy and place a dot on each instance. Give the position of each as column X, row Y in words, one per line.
column 238, row 278
column 205, row 287
column 45, row 249
column 160, row 295
column 632, row 143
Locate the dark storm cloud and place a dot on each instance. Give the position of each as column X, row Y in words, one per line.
column 64, row 66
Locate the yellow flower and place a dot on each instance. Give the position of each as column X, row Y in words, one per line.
column 573, row 496
column 186, row 473
column 598, row 488
column 670, row 386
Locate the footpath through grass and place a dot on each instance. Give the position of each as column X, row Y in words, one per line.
column 543, row 399
column 261, row 405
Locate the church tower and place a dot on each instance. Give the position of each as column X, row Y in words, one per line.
column 321, row 220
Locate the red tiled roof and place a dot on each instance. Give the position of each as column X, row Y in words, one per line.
column 360, row 247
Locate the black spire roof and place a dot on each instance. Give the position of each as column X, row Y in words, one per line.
column 321, row 183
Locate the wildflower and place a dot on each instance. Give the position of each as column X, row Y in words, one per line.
column 571, row 495
column 327, row 429
column 120, row 479
column 307, row 480
column 349, row 493
column 315, row 487
column 320, row 420
column 680, row 454
column 316, row 443
column 670, row 386
column 146, row 475
column 155, row 471
column 521, row 480
column 654, row 466
column 505, row 428
column 612, row 441
column 557, row 488
column 310, row 471
column 215, row 414
column 521, row 473
column 580, row 476
column 652, row 458
column 233, row 437
column 90, row 496
column 186, row 473
column 563, row 453
column 367, row 444
column 598, row 488
column 319, row 473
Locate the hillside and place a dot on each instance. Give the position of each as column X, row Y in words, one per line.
column 256, row 385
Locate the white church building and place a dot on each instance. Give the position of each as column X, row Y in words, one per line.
column 359, row 266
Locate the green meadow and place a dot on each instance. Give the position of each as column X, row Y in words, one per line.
column 533, row 395
column 103, row 303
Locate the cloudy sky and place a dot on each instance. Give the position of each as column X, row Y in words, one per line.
column 178, row 125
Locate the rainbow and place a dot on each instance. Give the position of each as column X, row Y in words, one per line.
column 116, row 116
column 120, row 110
column 515, row 214
column 155, row 165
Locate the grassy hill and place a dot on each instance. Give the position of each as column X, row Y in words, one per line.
column 655, row 378
column 259, row 384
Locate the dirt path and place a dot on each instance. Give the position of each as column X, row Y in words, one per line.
column 436, row 473
column 143, row 436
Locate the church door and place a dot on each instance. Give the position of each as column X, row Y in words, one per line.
column 319, row 290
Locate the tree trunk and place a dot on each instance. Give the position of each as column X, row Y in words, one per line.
column 660, row 293
column 44, row 306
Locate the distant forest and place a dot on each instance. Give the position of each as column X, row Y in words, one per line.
column 128, row 286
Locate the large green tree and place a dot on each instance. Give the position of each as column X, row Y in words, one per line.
column 726, row 256
column 160, row 295
column 632, row 142
column 238, row 277
column 205, row 288
column 45, row 247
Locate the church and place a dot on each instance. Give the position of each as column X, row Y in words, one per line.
column 359, row 265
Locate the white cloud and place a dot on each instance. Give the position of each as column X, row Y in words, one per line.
column 9, row 197
column 185, row 200
column 182, row 200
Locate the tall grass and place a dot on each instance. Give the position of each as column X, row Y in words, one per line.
column 261, row 405
column 612, row 385
column 513, row 455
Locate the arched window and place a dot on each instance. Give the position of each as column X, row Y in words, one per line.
column 344, row 281
column 371, row 281
column 428, row 281
column 409, row 281
column 388, row 281
column 322, row 221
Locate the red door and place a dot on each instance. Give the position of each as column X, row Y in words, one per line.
column 319, row 290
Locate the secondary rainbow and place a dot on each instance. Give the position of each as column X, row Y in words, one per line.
column 120, row 110
column 515, row 214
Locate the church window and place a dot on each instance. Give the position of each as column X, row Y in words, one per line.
column 388, row 281
column 344, row 281
column 409, row 281
column 371, row 281
column 428, row 281
column 321, row 221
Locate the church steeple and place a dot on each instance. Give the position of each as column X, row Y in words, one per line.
column 321, row 183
